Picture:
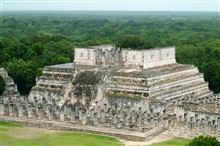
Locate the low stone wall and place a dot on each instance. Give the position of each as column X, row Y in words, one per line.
column 63, row 126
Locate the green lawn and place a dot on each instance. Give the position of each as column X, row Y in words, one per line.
column 17, row 135
column 13, row 134
column 174, row 142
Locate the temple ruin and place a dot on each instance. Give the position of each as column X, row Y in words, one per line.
column 111, row 91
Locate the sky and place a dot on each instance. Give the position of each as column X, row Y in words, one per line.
column 113, row 5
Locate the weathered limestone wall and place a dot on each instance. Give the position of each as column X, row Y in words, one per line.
column 104, row 55
column 108, row 55
column 148, row 58
column 11, row 87
column 159, row 57
column 132, row 59
column 84, row 56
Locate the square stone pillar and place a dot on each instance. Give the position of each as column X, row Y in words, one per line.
column 218, row 121
column 39, row 112
column 128, row 111
column 2, row 107
column 119, row 125
column 180, row 125
column 80, row 114
column 203, row 126
column 102, row 116
column 20, row 110
column 133, row 116
column 72, row 116
column 185, row 122
column 126, row 119
column 121, row 115
column 138, row 121
column 99, row 112
column 151, row 111
column 87, row 112
column 92, row 114
column 169, row 125
column 11, row 109
column 216, row 130
column 29, row 110
column 145, row 117
column 192, row 126
column 151, row 122
column 110, row 113
column 174, row 122
column 84, row 118
column 105, row 107
column 197, row 126
column 140, row 111
column 50, row 112
column 62, row 119
column 95, row 121
column 115, row 118
column 158, row 121
column 77, row 110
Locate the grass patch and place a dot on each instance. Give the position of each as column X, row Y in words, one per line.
column 174, row 142
column 55, row 138
column 7, row 124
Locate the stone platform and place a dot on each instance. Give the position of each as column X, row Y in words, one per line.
column 66, row 126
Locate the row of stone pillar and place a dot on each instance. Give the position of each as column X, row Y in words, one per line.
column 195, row 126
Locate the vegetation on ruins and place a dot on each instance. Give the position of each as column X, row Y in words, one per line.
column 2, row 85
column 204, row 141
column 16, row 135
column 32, row 40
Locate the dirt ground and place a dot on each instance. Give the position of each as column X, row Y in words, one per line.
column 160, row 138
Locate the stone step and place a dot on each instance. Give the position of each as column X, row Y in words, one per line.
column 199, row 91
column 54, row 69
column 181, row 90
column 154, row 77
column 170, row 76
column 51, row 85
column 130, row 91
column 151, row 72
column 192, row 90
column 57, row 75
column 175, row 84
column 175, row 81
column 205, row 94
column 52, row 80
column 42, row 89
column 127, row 86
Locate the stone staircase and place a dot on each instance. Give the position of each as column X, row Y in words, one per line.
column 162, row 83
column 52, row 83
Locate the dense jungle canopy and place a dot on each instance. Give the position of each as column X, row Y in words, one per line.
column 32, row 39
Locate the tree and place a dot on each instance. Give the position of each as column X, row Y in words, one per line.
column 204, row 141
column 133, row 42
column 2, row 85
column 211, row 73
column 22, row 74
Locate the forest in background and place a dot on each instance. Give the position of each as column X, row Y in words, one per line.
column 31, row 40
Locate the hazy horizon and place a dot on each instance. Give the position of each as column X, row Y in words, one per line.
column 112, row 5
